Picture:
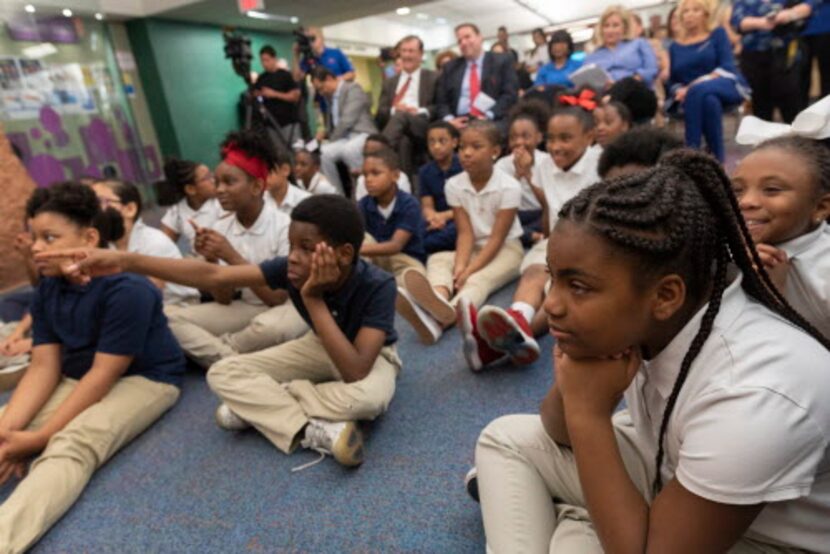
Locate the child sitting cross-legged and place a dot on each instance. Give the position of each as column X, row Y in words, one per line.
column 442, row 141
column 394, row 228
column 310, row 391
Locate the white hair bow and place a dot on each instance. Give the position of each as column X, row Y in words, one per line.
column 814, row 123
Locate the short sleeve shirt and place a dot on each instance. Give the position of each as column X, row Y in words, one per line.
column 150, row 241
column 406, row 215
column 432, row 179
column 178, row 216
column 529, row 201
column 367, row 299
column 293, row 196
column 807, row 287
column 752, row 421
column 332, row 59
column 318, row 185
column 560, row 186
column 265, row 239
column 502, row 192
column 281, row 81
column 360, row 189
column 119, row 314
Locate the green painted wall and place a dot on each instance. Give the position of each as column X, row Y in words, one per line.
column 191, row 88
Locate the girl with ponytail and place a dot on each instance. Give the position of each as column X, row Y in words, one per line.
column 104, row 367
column 659, row 297
column 189, row 189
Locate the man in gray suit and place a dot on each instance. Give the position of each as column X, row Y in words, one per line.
column 407, row 103
column 347, row 125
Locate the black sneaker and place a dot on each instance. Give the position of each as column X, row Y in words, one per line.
column 471, row 482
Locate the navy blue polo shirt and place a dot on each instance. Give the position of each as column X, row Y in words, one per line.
column 431, row 180
column 367, row 299
column 118, row 314
column 406, row 215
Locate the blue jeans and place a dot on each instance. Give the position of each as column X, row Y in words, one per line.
column 703, row 112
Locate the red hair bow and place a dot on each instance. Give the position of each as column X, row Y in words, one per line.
column 585, row 100
column 254, row 167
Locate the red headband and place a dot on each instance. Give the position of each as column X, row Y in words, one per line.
column 585, row 100
column 254, row 167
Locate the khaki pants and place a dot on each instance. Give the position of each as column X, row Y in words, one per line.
column 503, row 269
column 278, row 389
column 531, row 498
column 395, row 264
column 212, row 331
column 58, row 476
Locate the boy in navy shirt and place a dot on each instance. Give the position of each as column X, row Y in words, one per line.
column 442, row 141
column 394, row 226
column 104, row 367
column 311, row 390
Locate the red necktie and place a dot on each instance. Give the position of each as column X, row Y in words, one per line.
column 401, row 93
column 475, row 87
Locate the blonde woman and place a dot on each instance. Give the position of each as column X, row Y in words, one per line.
column 618, row 54
column 703, row 79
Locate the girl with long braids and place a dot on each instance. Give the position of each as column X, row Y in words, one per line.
column 656, row 298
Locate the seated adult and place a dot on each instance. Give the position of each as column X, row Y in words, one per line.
column 407, row 103
column 347, row 124
column 618, row 55
column 557, row 71
column 703, row 79
column 475, row 73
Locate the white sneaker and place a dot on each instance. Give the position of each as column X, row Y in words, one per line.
column 429, row 330
column 340, row 439
column 228, row 420
column 422, row 292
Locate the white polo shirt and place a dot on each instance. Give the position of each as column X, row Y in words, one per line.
column 560, row 186
column 293, row 196
column 360, row 188
column 752, row 422
column 502, row 192
column 150, row 241
column 178, row 216
column 807, row 288
column 318, row 185
column 529, row 201
column 267, row 238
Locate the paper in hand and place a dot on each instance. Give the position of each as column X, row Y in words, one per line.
column 590, row 75
column 483, row 102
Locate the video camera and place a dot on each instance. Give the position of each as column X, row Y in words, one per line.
column 238, row 50
column 304, row 42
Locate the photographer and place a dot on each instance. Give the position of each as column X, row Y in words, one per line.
column 280, row 93
column 332, row 59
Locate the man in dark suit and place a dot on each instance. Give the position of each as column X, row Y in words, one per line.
column 407, row 102
column 476, row 85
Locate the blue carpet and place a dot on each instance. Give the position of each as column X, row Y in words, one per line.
column 186, row 485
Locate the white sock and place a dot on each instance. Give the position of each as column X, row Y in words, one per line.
column 525, row 309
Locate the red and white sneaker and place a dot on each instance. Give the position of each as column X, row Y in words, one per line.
column 508, row 331
column 477, row 352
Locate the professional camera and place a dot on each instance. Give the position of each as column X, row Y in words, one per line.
column 303, row 42
column 238, row 50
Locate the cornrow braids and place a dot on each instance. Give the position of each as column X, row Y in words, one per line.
column 682, row 217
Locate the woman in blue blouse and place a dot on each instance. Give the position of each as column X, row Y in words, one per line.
column 703, row 78
column 771, row 58
column 617, row 55
column 557, row 71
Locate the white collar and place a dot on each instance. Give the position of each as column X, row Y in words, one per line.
column 799, row 245
column 478, row 61
column 260, row 225
column 579, row 168
column 662, row 370
column 414, row 74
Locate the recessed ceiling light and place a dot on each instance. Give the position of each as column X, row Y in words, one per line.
column 403, row 11
column 295, row 20
column 422, row 16
column 67, row 12
column 99, row 16
column 29, row 8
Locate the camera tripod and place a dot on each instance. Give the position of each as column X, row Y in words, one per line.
column 272, row 128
